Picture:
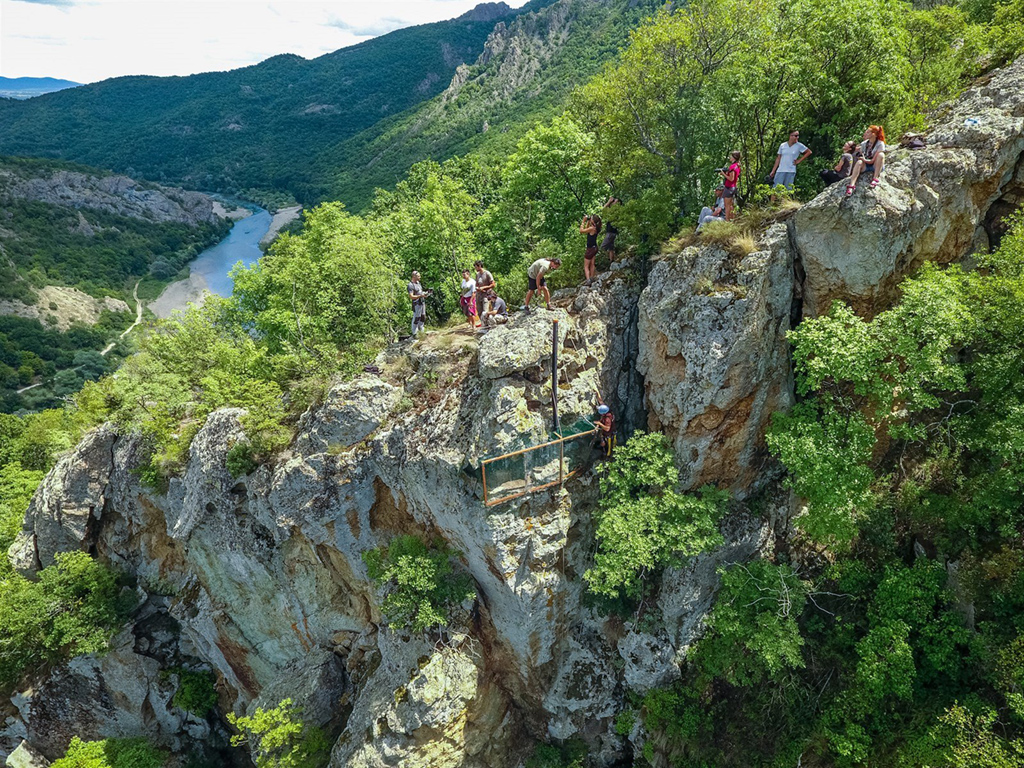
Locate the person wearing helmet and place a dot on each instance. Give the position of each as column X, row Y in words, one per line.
column 605, row 428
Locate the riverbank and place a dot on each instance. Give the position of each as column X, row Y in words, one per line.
column 282, row 218
column 179, row 295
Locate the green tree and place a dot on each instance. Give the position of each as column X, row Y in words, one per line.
column 112, row 753
column 643, row 522
column 551, row 179
column 752, row 630
column 326, row 297
column 420, row 582
column 278, row 738
column 75, row 607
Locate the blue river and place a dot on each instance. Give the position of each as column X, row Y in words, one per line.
column 241, row 245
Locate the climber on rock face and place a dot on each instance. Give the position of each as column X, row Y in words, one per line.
column 535, row 278
column 872, row 159
column 605, row 428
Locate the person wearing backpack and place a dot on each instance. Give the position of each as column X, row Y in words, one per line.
column 730, row 180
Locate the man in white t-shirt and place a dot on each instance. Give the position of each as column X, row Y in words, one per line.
column 535, row 280
column 791, row 154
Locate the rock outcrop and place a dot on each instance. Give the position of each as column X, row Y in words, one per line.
column 934, row 204
column 114, row 194
column 715, row 359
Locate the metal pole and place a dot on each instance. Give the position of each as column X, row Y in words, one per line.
column 554, row 376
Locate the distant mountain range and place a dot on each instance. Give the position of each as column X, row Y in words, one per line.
column 336, row 126
column 27, row 87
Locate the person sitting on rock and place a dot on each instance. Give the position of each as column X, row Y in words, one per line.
column 713, row 214
column 843, row 168
column 535, row 281
column 872, row 159
column 591, row 227
column 468, row 299
column 498, row 312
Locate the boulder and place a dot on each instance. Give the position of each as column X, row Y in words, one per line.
column 118, row 694
column 715, row 359
column 933, row 203
column 351, row 412
column 521, row 345
column 67, row 503
column 26, row 756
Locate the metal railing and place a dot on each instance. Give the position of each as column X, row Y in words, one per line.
column 518, row 473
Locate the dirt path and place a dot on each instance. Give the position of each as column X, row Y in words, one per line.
column 130, row 328
column 106, row 350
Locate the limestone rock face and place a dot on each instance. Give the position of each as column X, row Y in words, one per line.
column 120, row 694
column 67, row 503
column 521, row 345
column 715, row 359
column 266, row 572
column 932, row 204
column 115, row 194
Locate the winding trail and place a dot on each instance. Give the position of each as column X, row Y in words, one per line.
column 138, row 319
column 130, row 328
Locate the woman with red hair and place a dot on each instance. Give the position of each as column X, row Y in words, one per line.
column 872, row 157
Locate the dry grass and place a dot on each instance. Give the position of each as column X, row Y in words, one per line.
column 743, row 244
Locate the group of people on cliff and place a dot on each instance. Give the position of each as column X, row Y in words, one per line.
column 856, row 160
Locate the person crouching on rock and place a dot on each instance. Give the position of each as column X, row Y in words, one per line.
column 591, row 227
column 498, row 312
column 468, row 299
column 535, row 281
column 872, row 159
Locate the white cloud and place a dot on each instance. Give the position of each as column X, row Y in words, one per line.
column 89, row 40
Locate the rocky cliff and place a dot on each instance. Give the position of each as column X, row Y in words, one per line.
column 260, row 578
column 120, row 195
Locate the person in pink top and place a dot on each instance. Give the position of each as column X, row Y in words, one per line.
column 731, row 178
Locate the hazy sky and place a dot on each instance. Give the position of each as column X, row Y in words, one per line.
column 88, row 40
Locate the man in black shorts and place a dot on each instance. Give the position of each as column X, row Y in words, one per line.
column 535, row 275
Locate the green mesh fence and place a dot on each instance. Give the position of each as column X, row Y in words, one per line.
column 534, row 468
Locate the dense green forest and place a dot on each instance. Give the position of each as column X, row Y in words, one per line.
column 851, row 646
column 255, row 127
